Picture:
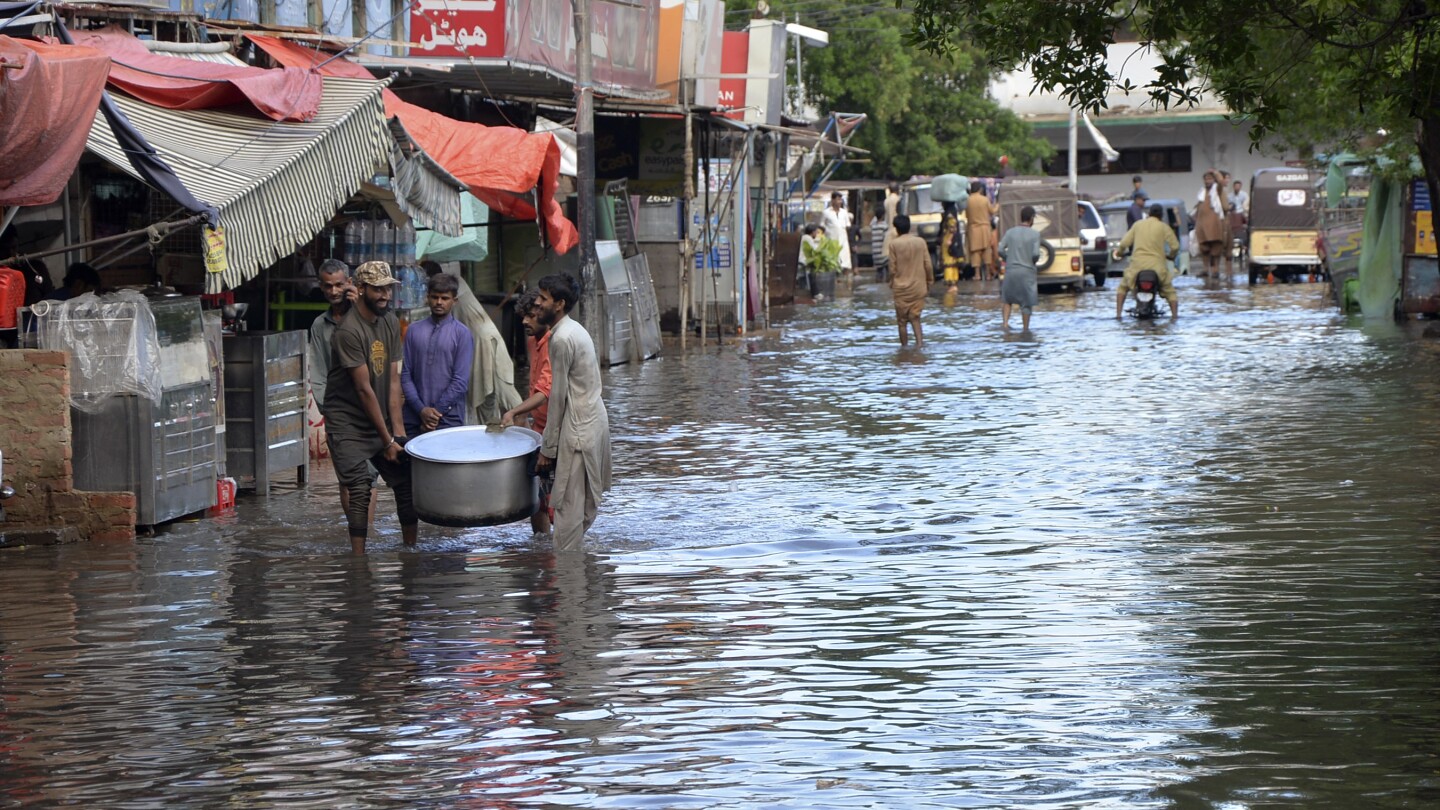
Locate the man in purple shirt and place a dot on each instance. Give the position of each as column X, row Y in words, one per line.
column 436, row 373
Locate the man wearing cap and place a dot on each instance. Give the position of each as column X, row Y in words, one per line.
column 363, row 404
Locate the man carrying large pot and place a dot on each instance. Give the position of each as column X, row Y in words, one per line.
column 577, row 430
column 363, row 405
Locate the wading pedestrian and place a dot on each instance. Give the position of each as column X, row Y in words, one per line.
column 363, row 408
column 910, row 273
column 1020, row 248
column 979, row 236
column 340, row 293
column 438, row 352
column 577, row 432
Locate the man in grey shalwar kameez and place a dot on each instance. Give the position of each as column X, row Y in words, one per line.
column 492, row 372
column 1020, row 248
column 577, row 430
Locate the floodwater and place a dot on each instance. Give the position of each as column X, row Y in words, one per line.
column 1104, row 565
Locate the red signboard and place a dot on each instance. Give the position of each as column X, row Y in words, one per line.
column 734, row 61
column 458, row 28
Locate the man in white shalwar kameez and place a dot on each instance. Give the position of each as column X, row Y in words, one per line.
column 577, row 431
column 492, row 372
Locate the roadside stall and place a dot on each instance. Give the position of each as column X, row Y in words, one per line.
column 142, row 398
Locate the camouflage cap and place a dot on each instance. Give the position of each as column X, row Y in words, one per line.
column 375, row 274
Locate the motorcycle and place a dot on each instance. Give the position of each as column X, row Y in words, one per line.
column 1147, row 294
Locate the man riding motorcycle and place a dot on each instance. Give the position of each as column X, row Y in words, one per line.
column 1153, row 244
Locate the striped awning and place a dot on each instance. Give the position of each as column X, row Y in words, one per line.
column 423, row 189
column 277, row 184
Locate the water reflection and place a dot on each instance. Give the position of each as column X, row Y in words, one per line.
column 1103, row 565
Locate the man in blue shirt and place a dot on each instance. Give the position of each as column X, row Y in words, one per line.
column 1136, row 212
column 436, row 373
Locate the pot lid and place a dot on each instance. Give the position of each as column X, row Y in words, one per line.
column 459, row 445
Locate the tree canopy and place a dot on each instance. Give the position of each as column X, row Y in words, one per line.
column 926, row 112
column 1311, row 72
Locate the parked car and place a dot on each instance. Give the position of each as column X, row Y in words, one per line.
column 1093, row 242
column 1176, row 216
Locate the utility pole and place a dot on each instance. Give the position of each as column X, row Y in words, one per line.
column 585, row 170
column 1074, row 156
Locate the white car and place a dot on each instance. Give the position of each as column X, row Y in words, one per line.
column 1094, row 243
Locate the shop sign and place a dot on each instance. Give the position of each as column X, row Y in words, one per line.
column 734, row 61
column 473, row 28
column 662, row 149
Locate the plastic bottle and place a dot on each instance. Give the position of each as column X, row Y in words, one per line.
column 405, row 290
column 352, row 242
column 364, row 242
column 405, row 244
column 384, row 241
column 420, row 285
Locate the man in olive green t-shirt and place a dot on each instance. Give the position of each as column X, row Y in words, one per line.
column 362, row 405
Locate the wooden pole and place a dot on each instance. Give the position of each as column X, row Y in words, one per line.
column 585, row 170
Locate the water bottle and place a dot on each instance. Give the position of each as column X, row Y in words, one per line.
column 405, row 244
column 384, row 241
column 365, row 242
column 405, row 290
column 352, row 242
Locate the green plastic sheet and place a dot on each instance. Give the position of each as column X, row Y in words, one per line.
column 1380, row 259
column 472, row 245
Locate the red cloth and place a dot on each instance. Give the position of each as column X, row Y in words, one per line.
column 46, row 109
column 500, row 165
column 289, row 94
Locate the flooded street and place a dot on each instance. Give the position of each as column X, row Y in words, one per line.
column 1106, row 564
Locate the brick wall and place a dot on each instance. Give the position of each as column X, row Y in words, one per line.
column 35, row 437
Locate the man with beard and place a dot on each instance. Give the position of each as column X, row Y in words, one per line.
column 577, row 432
column 363, row 404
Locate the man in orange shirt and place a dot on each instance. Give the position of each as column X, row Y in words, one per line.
column 537, row 347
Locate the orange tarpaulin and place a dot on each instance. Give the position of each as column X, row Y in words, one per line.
column 47, row 105
column 185, row 84
column 499, row 164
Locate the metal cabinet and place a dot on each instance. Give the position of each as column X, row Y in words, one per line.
column 164, row 452
column 265, row 418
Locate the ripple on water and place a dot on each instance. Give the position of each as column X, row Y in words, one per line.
column 1101, row 565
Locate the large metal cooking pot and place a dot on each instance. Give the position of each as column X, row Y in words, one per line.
column 475, row 476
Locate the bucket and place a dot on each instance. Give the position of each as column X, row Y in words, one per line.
column 224, row 498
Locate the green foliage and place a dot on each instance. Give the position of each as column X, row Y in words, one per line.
column 1313, row 73
column 927, row 113
column 822, row 256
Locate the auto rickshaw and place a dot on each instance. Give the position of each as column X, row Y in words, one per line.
column 1061, row 263
column 1284, row 225
column 924, row 213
